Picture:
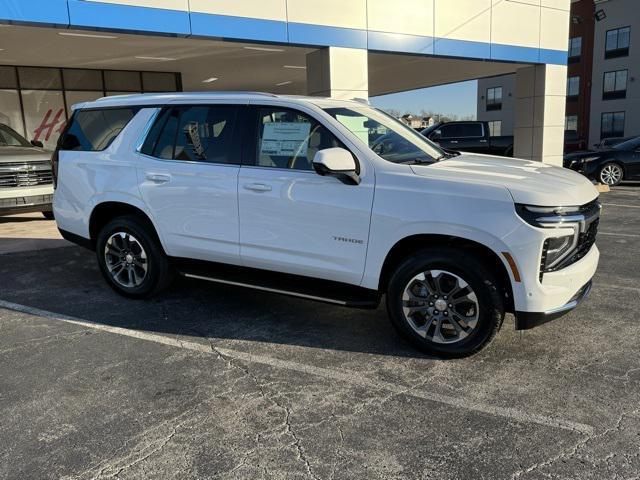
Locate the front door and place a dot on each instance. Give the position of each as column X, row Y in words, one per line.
column 292, row 219
column 188, row 176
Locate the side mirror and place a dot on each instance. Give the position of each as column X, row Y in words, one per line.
column 436, row 135
column 37, row 143
column 337, row 162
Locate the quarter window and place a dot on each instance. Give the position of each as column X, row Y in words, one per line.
column 94, row 130
column 612, row 125
column 615, row 85
column 290, row 139
column 617, row 42
column 494, row 98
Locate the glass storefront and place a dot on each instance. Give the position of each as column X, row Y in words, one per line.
column 36, row 101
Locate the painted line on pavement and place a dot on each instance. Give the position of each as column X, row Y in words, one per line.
column 619, row 205
column 612, row 234
column 351, row 378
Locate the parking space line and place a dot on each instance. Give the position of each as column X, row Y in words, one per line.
column 619, row 205
column 619, row 287
column 348, row 377
column 613, row 234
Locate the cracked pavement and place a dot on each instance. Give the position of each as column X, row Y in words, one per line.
column 212, row 381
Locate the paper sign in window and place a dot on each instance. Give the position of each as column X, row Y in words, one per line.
column 285, row 139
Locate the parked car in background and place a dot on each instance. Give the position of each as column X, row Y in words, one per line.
column 606, row 143
column 26, row 183
column 609, row 166
column 325, row 199
column 469, row 136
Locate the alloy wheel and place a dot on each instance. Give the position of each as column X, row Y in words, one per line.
column 440, row 306
column 126, row 259
column 611, row 174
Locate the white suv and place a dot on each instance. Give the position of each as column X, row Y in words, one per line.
column 328, row 200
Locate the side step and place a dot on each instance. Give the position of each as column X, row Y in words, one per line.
column 275, row 282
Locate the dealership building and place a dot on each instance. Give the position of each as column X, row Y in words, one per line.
column 603, row 94
column 54, row 53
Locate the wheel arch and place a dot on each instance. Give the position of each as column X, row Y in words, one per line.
column 106, row 211
column 413, row 243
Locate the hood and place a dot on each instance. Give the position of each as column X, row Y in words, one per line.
column 23, row 154
column 531, row 183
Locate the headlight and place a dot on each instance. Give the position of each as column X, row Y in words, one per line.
column 555, row 249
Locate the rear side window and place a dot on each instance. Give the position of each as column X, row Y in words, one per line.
column 94, row 130
column 196, row 134
column 461, row 130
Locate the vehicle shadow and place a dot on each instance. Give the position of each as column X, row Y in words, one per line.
column 67, row 281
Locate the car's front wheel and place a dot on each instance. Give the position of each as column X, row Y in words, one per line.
column 445, row 302
column 131, row 258
column 611, row 174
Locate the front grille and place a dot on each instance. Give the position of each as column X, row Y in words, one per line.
column 15, row 175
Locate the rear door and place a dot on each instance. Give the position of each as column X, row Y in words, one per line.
column 467, row 137
column 293, row 220
column 188, row 174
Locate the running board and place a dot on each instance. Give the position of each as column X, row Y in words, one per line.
column 285, row 284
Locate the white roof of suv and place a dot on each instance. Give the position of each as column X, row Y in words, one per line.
column 167, row 98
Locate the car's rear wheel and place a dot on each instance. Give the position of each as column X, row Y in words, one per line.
column 611, row 174
column 445, row 302
column 131, row 258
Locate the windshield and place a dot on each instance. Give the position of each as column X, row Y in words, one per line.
column 11, row 138
column 386, row 136
column 628, row 145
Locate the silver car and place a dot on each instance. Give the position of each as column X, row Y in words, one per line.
column 26, row 180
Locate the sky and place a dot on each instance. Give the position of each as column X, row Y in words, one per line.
column 456, row 98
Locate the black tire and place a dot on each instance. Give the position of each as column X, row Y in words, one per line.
column 48, row 215
column 606, row 172
column 490, row 304
column 159, row 273
column 508, row 152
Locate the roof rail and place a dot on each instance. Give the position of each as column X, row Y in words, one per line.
column 223, row 92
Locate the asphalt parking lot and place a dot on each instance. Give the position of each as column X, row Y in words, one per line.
column 212, row 381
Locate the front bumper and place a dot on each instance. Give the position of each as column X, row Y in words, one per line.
column 32, row 203
column 529, row 320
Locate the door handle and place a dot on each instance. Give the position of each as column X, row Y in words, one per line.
column 158, row 178
column 453, row 141
column 257, row 187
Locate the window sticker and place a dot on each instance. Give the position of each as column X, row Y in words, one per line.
column 285, row 139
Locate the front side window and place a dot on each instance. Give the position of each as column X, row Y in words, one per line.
column 575, row 47
column 615, row 85
column 10, row 138
column 461, row 130
column 617, row 42
column 387, row 137
column 94, row 130
column 194, row 134
column 290, row 139
column 573, row 87
column 612, row 125
column 494, row 98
